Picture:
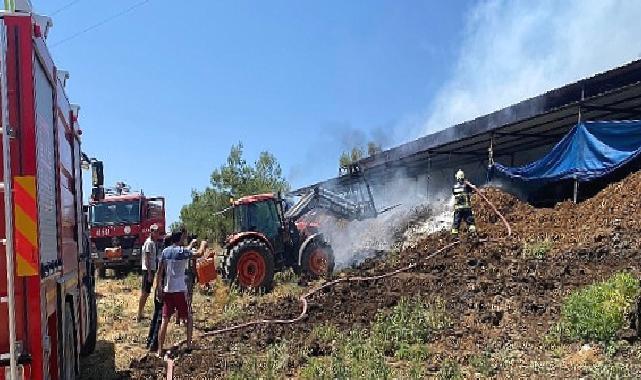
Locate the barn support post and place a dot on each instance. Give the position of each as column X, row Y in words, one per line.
column 429, row 175
column 575, row 192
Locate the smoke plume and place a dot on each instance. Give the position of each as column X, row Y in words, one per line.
column 514, row 50
column 511, row 51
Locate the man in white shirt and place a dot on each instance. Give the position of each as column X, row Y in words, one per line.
column 171, row 287
column 149, row 260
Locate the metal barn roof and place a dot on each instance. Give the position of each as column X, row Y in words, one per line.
column 542, row 120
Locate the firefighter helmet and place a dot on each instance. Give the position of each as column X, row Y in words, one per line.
column 460, row 175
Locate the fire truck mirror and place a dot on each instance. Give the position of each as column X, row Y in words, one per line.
column 97, row 176
column 98, row 193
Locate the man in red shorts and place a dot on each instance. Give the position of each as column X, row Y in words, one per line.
column 173, row 289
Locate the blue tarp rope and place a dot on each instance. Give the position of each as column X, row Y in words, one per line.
column 590, row 150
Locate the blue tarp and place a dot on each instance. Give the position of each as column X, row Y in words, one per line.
column 590, row 150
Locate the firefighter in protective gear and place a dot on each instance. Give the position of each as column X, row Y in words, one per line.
column 462, row 204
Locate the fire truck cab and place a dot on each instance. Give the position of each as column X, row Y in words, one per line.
column 120, row 224
column 47, row 298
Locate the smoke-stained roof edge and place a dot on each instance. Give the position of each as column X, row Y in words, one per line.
column 571, row 94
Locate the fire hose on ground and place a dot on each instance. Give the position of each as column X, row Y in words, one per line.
column 303, row 298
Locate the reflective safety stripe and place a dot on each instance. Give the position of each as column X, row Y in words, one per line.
column 26, row 228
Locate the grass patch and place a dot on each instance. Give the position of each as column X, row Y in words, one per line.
column 598, row 311
column 537, row 249
column 235, row 305
column 482, row 364
column 609, row 370
column 272, row 365
column 286, row 276
column 356, row 358
column 400, row 333
column 410, row 322
column 412, row 352
column 450, row 370
column 326, row 333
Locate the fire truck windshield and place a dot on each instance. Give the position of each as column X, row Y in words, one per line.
column 115, row 213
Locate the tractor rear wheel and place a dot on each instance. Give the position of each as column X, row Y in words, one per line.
column 250, row 265
column 317, row 260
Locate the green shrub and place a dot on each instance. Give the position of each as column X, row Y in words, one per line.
column 410, row 322
column 537, row 249
column 598, row 311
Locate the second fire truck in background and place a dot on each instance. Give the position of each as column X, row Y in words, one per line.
column 119, row 222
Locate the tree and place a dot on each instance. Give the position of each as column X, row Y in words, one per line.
column 373, row 148
column 205, row 215
column 356, row 154
column 176, row 226
column 344, row 161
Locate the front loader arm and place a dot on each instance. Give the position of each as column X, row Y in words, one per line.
column 332, row 202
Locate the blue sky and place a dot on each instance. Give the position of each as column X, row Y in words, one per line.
column 165, row 91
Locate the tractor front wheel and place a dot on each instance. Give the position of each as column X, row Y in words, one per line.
column 250, row 265
column 317, row 260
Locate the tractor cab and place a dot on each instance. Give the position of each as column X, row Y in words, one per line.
column 261, row 213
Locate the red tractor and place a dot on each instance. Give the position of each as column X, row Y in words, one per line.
column 268, row 237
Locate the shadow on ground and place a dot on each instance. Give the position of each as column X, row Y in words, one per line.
column 101, row 365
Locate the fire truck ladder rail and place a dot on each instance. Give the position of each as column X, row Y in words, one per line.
column 8, row 205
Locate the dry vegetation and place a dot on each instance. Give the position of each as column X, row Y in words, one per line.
column 121, row 339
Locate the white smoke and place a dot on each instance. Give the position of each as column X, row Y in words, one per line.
column 511, row 51
column 514, row 50
column 352, row 242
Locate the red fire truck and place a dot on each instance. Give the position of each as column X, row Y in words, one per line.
column 47, row 299
column 120, row 222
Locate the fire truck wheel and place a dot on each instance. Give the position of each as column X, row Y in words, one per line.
column 69, row 349
column 250, row 265
column 317, row 260
column 90, row 343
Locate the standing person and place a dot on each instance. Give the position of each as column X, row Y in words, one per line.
column 172, row 290
column 149, row 260
column 156, row 319
column 462, row 204
column 191, row 275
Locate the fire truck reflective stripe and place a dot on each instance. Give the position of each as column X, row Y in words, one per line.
column 27, row 184
column 25, row 200
column 26, row 227
column 24, row 268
